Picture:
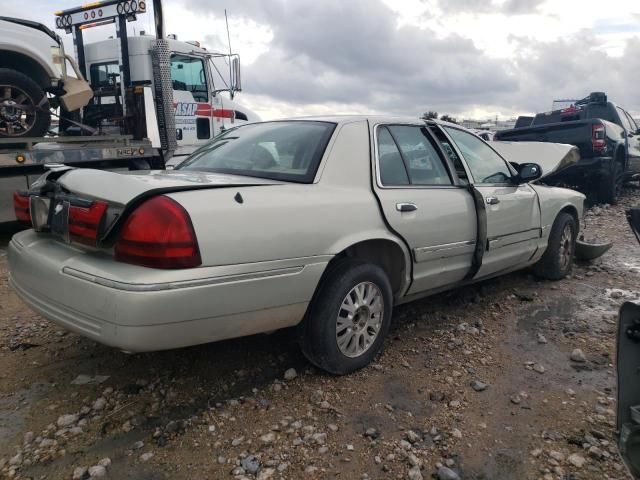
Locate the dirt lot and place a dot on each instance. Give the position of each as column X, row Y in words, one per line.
column 479, row 380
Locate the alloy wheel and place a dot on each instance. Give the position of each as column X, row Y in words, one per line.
column 17, row 111
column 359, row 319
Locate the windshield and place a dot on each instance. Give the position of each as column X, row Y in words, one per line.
column 287, row 150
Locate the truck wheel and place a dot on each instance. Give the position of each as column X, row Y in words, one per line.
column 557, row 260
column 611, row 189
column 16, row 89
column 348, row 317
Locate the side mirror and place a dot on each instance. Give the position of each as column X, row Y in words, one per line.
column 529, row 172
column 236, row 82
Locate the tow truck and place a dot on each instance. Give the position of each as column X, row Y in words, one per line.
column 153, row 99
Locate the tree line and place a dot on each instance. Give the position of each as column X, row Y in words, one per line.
column 434, row 116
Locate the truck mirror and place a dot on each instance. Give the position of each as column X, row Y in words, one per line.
column 236, row 83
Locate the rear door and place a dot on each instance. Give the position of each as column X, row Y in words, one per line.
column 425, row 203
column 513, row 214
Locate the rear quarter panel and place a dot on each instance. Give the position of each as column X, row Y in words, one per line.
column 293, row 221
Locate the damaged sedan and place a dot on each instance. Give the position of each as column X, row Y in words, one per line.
column 321, row 223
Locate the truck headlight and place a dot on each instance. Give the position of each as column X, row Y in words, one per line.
column 57, row 56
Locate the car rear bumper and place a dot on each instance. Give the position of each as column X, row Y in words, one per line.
column 76, row 290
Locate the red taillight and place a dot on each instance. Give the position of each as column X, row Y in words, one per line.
column 159, row 234
column 598, row 138
column 21, row 207
column 84, row 222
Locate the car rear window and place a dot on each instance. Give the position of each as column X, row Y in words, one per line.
column 283, row 150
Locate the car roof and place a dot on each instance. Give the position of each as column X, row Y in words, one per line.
column 371, row 118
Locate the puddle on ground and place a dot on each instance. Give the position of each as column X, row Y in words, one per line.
column 14, row 409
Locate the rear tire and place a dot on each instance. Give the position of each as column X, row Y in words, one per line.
column 611, row 190
column 348, row 318
column 557, row 261
column 16, row 88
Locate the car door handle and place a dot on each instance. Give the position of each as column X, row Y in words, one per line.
column 406, row 207
column 493, row 200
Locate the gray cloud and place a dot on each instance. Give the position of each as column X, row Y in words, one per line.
column 519, row 7
column 508, row 7
column 352, row 52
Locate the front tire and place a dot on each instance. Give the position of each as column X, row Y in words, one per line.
column 19, row 90
column 557, row 261
column 348, row 318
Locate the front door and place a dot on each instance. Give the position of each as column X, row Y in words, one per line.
column 633, row 140
column 513, row 214
column 423, row 202
column 192, row 102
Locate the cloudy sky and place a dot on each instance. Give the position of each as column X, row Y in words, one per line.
column 468, row 58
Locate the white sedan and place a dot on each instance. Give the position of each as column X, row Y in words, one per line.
column 324, row 223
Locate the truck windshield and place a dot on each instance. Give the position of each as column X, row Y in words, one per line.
column 284, row 150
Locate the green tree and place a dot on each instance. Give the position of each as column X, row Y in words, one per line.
column 448, row 118
column 429, row 115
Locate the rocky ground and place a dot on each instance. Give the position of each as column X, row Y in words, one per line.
column 510, row 379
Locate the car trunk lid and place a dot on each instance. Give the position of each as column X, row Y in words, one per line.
column 122, row 188
column 86, row 206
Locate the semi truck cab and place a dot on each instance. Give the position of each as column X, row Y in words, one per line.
column 201, row 107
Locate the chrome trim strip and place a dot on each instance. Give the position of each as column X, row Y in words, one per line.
column 199, row 282
column 445, row 250
column 513, row 238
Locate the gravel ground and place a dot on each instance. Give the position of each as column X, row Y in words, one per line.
column 510, row 379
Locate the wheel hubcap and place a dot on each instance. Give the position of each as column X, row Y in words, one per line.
column 566, row 247
column 16, row 111
column 359, row 319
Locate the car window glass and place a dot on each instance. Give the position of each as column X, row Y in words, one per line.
column 486, row 165
column 634, row 125
column 451, row 153
column 423, row 163
column 103, row 74
column 188, row 75
column 285, row 150
column 392, row 169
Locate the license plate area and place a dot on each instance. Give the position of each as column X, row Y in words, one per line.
column 59, row 218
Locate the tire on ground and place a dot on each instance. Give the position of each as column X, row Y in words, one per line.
column 550, row 266
column 610, row 189
column 13, row 78
column 318, row 331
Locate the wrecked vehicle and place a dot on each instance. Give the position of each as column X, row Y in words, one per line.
column 34, row 65
column 628, row 365
column 605, row 133
column 325, row 223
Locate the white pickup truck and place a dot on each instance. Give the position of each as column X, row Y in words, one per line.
column 34, row 64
